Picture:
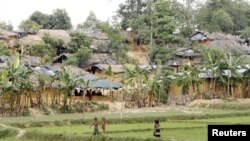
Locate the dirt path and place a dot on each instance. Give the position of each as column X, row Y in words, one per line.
column 20, row 132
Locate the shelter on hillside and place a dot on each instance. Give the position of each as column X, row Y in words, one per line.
column 199, row 37
column 99, row 38
column 32, row 61
column 187, row 56
column 34, row 39
column 175, row 63
column 226, row 42
column 9, row 37
column 96, row 82
column 61, row 58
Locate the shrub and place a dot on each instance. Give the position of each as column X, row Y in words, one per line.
column 66, row 109
column 7, row 133
column 45, row 110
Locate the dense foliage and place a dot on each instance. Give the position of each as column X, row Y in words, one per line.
column 29, row 26
column 59, row 19
column 78, row 40
column 6, row 26
column 3, row 49
column 227, row 16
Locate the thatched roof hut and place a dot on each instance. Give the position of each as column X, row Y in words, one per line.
column 116, row 69
column 227, row 42
column 4, row 34
column 31, row 60
column 188, row 52
column 60, row 34
column 34, row 39
column 73, row 70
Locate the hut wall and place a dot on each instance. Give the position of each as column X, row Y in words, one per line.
column 188, row 61
column 205, row 87
column 175, row 90
column 12, row 41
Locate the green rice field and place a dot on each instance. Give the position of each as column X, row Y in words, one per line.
column 175, row 124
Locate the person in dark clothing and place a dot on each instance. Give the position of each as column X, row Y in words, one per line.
column 95, row 124
column 90, row 94
column 157, row 130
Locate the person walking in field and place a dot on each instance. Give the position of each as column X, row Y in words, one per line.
column 157, row 130
column 95, row 124
column 104, row 122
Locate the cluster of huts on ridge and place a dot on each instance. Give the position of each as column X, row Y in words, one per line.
column 99, row 63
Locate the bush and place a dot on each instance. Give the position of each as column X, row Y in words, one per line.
column 208, row 95
column 7, row 133
column 66, row 109
column 45, row 110
column 3, row 49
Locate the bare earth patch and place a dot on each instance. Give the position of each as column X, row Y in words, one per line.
column 209, row 103
column 116, row 107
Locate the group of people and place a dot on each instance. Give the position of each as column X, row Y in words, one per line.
column 95, row 123
column 91, row 93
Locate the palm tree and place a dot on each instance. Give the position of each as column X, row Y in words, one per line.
column 246, row 83
column 154, row 84
column 14, row 81
column 167, row 80
column 210, row 61
column 23, row 83
column 228, row 66
column 5, row 85
column 69, row 83
column 134, row 79
column 41, row 88
column 188, row 79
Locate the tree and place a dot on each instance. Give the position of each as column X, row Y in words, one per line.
column 246, row 84
column 116, row 42
column 135, row 15
column 42, row 49
column 211, row 59
column 14, row 80
column 228, row 16
column 189, row 79
column 3, row 49
column 90, row 22
column 222, row 21
column 41, row 19
column 152, row 20
column 29, row 26
column 4, row 25
column 60, row 20
column 245, row 33
column 228, row 68
column 54, row 42
column 78, row 40
column 163, row 54
column 83, row 55
column 69, row 83
column 166, row 72
column 165, row 23
column 134, row 78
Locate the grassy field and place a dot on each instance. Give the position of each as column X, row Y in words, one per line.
column 195, row 130
column 174, row 112
column 176, row 124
